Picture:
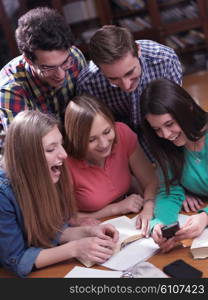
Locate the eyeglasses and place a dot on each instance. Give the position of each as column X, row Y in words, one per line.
column 47, row 70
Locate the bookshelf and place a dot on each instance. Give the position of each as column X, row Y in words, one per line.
column 82, row 18
column 9, row 13
column 81, row 29
column 180, row 24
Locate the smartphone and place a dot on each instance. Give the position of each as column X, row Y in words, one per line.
column 180, row 269
column 169, row 231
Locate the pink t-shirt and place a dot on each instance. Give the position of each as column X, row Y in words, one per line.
column 96, row 187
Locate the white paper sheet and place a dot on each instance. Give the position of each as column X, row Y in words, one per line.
column 182, row 219
column 133, row 253
column 81, row 272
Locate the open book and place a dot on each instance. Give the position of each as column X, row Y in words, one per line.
column 199, row 246
column 127, row 231
column 132, row 247
column 127, row 234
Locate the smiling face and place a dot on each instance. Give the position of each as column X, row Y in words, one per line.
column 166, row 127
column 54, row 152
column 56, row 59
column 124, row 73
column 102, row 135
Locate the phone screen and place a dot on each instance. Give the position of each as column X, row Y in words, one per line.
column 180, row 269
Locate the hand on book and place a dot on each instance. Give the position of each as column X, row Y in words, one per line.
column 93, row 250
column 144, row 217
column 99, row 247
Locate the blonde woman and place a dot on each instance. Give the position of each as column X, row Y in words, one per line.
column 36, row 201
column 103, row 156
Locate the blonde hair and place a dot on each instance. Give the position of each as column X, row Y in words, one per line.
column 79, row 116
column 45, row 206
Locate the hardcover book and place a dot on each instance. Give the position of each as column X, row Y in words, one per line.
column 199, row 246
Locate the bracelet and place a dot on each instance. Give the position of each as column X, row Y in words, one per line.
column 149, row 199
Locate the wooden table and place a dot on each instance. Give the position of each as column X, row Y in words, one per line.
column 159, row 260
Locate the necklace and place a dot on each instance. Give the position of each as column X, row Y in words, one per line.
column 196, row 155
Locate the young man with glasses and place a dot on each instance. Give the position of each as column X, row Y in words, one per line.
column 44, row 76
column 120, row 70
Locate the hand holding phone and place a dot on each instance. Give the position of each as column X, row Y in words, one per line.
column 180, row 269
column 169, row 231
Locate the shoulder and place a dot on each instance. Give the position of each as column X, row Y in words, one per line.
column 126, row 139
column 90, row 73
column 77, row 53
column 13, row 72
column 7, row 198
column 75, row 164
column 78, row 57
column 4, row 181
column 155, row 49
column 124, row 131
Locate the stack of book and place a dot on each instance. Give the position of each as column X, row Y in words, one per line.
column 135, row 24
column 130, row 4
column 175, row 14
column 183, row 40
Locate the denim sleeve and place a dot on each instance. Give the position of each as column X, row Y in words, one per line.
column 58, row 235
column 15, row 255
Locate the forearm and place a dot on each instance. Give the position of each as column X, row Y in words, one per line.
column 56, row 254
column 74, row 233
column 150, row 191
column 107, row 211
column 149, row 205
column 167, row 207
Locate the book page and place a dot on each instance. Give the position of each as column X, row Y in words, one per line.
column 81, row 272
column 199, row 246
column 127, row 231
column 134, row 252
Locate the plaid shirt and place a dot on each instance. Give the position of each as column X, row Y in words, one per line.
column 156, row 60
column 21, row 90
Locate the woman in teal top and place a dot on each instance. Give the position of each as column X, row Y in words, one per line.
column 176, row 128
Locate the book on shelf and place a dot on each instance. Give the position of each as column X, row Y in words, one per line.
column 130, row 4
column 130, row 24
column 135, row 24
column 176, row 14
column 79, row 11
column 177, row 40
column 194, row 37
column 143, row 22
column 199, row 246
column 186, row 39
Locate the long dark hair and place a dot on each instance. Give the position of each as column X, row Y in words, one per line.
column 163, row 96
